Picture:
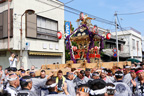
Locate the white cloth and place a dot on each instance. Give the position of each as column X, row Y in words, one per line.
column 12, row 63
column 37, row 84
column 11, row 90
column 122, row 89
column 71, row 87
column 127, row 79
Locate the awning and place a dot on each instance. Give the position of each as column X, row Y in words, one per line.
column 110, row 53
column 46, row 53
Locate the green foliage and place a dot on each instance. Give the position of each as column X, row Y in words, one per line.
column 96, row 43
column 67, row 52
column 102, row 53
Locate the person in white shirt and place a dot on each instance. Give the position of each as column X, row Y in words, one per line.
column 13, row 59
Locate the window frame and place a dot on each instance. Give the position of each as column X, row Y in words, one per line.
column 47, row 34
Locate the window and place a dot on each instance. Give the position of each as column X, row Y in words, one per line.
column 2, row 53
column 4, row 24
column 137, row 45
column 47, row 29
column 133, row 43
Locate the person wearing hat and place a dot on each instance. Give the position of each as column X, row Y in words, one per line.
column 13, row 80
column 127, row 78
column 95, row 75
column 97, row 87
column 88, row 73
column 43, row 74
column 32, row 74
column 81, row 78
column 110, row 89
column 70, row 84
column 42, row 90
column 122, row 89
column 38, row 83
column 53, row 88
column 138, row 83
column 83, row 90
column 26, row 86
column 104, row 76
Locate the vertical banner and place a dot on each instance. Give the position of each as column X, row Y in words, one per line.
column 67, row 28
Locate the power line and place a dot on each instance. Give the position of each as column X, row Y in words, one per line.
column 132, row 13
column 121, row 27
column 54, row 8
column 76, row 10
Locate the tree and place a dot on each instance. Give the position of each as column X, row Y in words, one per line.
column 67, row 52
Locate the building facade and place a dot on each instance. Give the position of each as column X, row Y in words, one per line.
column 40, row 44
column 133, row 42
column 143, row 47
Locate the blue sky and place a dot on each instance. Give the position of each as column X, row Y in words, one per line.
column 106, row 8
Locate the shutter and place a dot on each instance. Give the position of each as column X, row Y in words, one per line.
column 11, row 22
column 31, row 25
column 5, row 24
column 1, row 27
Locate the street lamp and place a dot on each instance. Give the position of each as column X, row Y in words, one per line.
column 30, row 12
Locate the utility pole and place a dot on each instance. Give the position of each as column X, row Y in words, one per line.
column 116, row 37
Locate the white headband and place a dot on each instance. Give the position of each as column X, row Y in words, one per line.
column 110, row 87
column 26, row 80
column 12, row 79
column 52, row 85
column 98, row 92
column 118, row 74
column 103, row 71
column 95, row 75
column 127, row 67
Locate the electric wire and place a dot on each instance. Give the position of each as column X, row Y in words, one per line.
column 76, row 10
column 55, row 7
column 132, row 13
column 119, row 25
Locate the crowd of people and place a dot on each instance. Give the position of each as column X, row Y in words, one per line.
column 126, row 81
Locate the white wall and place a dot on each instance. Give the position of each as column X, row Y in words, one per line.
column 37, row 45
column 4, row 60
column 128, row 47
column 143, row 43
column 19, row 7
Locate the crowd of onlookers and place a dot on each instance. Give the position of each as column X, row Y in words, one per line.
column 127, row 81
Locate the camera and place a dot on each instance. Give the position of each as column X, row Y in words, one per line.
column 16, row 56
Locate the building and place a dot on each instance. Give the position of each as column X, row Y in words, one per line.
column 143, row 47
column 133, row 42
column 109, row 45
column 40, row 44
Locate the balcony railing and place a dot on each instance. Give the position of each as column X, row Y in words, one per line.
column 47, row 34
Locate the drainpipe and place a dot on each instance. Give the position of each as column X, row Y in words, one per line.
column 9, row 24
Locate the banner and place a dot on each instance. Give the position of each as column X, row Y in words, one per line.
column 67, row 28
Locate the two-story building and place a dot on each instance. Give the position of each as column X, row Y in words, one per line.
column 109, row 45
column 40, row 44
column 133, row 42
